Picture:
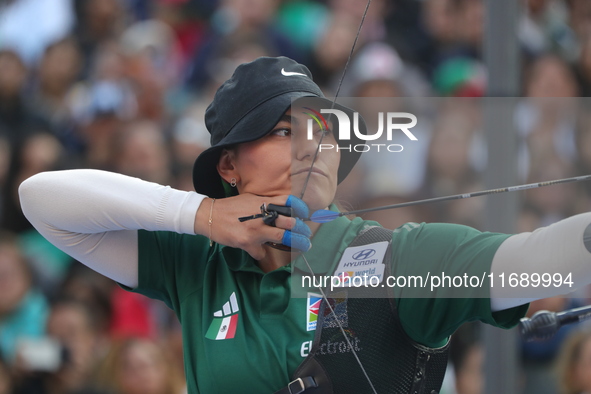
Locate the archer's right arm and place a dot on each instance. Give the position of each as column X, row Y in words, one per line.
column 94, row 216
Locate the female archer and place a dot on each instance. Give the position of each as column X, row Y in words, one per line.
column 230, row 282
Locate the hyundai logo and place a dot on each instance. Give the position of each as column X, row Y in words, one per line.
column 364, row 254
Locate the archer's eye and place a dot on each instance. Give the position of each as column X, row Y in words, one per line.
column 323, row 132
column 282, row 132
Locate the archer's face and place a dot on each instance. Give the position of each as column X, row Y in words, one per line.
column 280, row 162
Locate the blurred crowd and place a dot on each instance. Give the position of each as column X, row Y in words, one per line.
column 122, row 85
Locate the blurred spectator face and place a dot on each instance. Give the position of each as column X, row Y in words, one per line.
column 438, row 17
column 574, row 363
column 351, row 7
column 148, row 90
column 59, row 67
column 148, row 85
column 379, row 88
column 143, row 369
column 40, row 152
column 356, row 8
column 333, row 48
column 234, row 49
column 101, row 16
column 455, row 20
column 14, row 277
column 172, row 13
column 5, row 155
column 252, row 13
column 580, row 16
column 585, row 58
column 584, row 146
column 550, row 76
column 108, row 102
column 141, row 152
column 12, row 74
column 108, row 64
column 450, row 146
column 469, row 21
column 552, row 199
column 582, row 367
column 152, row 44
column 99, row 134
column 536, row 7
column 5, row 379
column 70, row 324
column 93, row 290
column 470, row 378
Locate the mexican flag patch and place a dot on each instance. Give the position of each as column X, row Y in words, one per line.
column 224, row 321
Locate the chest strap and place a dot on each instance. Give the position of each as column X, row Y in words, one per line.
column 315, row 378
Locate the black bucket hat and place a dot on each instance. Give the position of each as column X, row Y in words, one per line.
column 248, row 105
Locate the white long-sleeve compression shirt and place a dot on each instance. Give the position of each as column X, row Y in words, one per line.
column 94, row 216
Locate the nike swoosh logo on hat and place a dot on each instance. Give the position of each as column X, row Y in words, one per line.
column 290, row 73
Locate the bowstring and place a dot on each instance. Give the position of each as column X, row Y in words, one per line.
column 306, row 184
column 335, row 96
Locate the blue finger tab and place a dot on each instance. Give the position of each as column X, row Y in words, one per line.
column 300, row 209
column 296, row 241
column 302, row 228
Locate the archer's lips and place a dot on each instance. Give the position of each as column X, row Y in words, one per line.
column 306, row 170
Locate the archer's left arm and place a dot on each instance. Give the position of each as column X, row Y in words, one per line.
column 558, row 255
